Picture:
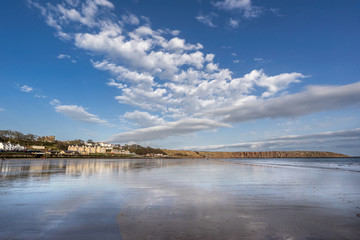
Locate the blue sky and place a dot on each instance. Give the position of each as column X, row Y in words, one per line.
column 233, row 75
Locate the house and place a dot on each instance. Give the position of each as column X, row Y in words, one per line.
column 46, row 139
column 38, row 147
column 11, row 147
column 106, row 145
column 87, row 149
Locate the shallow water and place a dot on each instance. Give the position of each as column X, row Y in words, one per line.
column 179, row 199
column 347, row 164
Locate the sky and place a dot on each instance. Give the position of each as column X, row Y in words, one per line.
column 218, row 75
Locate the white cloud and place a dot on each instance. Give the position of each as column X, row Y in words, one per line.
column 58, row 16
column 211, row 67
column 207, row 19
column 181, row 127
column 179, row 44
column 26, row 88
column 50, row 19
column 352, row 133
column 112, row 83
column 2, row 109
column 175, row 32
column 65, row 56
column 233, row 23
column 155, row 70
column 277, row 83
column 233, row 4
column 244, row 6
column 62, row 56
column 130, row 19
column 300, row 142
column 144, row 119
column 78, row 113
column 55, row 102
column 139, row 52
column 146, row 98
column 156, row 73
column 313, row 99
column 124, row 74
column 88, row 13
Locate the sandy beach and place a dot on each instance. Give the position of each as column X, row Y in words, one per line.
column 176, row 199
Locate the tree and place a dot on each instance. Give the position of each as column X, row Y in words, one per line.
column 30, row 137
column 61, row 146
column 77, row 142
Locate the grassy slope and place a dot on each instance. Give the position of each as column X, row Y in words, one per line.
column 272, row 154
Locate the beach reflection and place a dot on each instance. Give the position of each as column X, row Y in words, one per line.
column 174, row 199
column 48, row 167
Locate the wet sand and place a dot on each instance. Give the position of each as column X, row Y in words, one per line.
column 175, row 199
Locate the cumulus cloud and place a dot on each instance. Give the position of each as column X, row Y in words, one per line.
column 113, row 83
column 139, row 52
column 181, row 127
column 155, row 70
column 78, row 113
column 26, row 88
column 58, row 16
column 144, row 119
column 302, row 142
column 124, row 74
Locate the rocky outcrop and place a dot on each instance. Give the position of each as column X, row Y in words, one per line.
column 270, row 154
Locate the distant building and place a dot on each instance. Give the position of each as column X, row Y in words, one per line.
column 11, row 147
column 49, row 139
column 106, row 145
column 127, row 152
column 38, row 147
column 96, row 148
column 87, row 149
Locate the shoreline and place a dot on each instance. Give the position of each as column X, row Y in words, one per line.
column 178, row 154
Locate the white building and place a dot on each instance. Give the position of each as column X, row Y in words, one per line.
column 106, row 145
column 11, row 147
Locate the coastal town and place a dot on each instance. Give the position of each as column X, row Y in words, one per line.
column 13, row 143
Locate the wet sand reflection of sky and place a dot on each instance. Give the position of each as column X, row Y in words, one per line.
column 180, row 199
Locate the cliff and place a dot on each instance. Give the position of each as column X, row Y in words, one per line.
column 270, row 154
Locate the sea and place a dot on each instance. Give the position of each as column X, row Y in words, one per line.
column 344, row 164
